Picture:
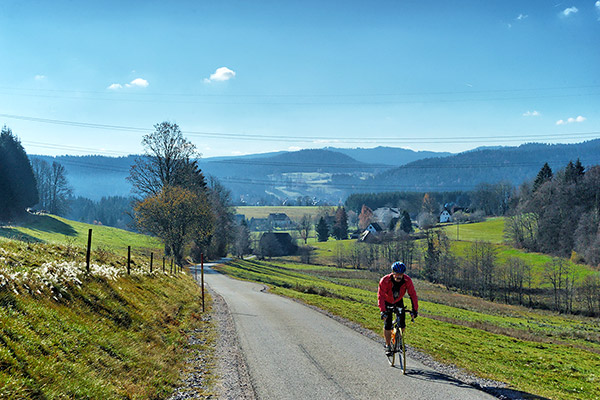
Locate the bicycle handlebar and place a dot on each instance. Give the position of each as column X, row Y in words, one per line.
column 396, row 309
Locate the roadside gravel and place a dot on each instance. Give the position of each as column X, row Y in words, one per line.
column 234, row 379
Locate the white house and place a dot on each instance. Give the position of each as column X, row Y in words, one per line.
column 445, row 216
column 371, row 232
column 384, row 215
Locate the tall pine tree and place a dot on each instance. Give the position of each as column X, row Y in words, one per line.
column 322, row 230
column 17, row 183
column 543, row 176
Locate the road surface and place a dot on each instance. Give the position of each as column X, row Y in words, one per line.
column 295, row 352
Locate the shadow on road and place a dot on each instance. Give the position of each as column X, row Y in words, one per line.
column 511, row 394
column 502, row 393
column 435, row 376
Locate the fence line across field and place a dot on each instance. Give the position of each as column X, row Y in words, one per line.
column 176, row 268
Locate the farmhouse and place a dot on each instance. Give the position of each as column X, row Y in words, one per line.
column 370, row 234
column 277, row 244
column 445, row 216
column 385, row 215
column 280, row 220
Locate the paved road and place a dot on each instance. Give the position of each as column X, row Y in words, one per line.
column 294, row 352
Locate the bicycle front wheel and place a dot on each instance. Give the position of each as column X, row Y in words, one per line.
column 391, row 356
column 401, row 350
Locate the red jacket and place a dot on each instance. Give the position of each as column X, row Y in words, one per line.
column 384, row 294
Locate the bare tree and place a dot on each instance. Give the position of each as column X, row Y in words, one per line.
column 555, row 274
column 241, row 244
column 304, row 227
column 169, row 181
column 167, row 161
column 53, row 186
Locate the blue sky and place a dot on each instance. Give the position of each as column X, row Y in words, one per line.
column 243, row 77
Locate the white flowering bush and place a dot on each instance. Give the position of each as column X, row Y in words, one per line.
column 55, row 275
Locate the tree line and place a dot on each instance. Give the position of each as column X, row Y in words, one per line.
column 559, row 214
column 18, row 189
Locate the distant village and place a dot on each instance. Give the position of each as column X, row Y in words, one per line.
column 383, row 221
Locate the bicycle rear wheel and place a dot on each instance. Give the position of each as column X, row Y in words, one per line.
column 394, row 346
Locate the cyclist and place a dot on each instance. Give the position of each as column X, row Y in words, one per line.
column 392, row 288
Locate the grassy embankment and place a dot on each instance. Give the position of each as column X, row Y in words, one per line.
column 104, row 335
column 535, row 352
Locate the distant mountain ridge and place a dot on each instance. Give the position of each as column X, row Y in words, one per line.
column 388, row 155
column 465, row 170
column 331, row 174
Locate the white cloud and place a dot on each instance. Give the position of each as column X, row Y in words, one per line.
column 571, row 10
column 220, row 75
column 523, row 16
column 40, row 77
column 138, row 82
column 597, row 4
column 294, row 148
column 533, row 113
column 570, row 120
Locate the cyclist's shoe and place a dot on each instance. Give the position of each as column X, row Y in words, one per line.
column 388, row 350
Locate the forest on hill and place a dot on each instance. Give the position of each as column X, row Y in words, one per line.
column 329, row 176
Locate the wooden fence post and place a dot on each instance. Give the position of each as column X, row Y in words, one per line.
column 89, row 251
column 128, row 260
column 171, row 266
column 163, row 264
column 151, row 259
column 202, row 277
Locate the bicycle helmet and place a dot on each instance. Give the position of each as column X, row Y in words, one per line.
column 398, row 267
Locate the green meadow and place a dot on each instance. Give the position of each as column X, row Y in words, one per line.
column 294, row 212
column 67, row 333
column 53, row 229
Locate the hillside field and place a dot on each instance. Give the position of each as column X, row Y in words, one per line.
column 53, row 229
column 295, row 213
column 67, row 333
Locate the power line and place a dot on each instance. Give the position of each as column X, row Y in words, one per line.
column 162, row 100
column 301, row 95
column 312, row 139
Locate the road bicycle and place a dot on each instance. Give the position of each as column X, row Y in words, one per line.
column 398, row 342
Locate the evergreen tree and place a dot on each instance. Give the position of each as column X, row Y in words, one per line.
column 543, row 176
column 570, row 173
column 579, row 169
column 322, row 230
column 17, row 183
column 340, row 229
column 405, row 222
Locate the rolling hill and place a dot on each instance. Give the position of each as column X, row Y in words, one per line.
column 331, row 174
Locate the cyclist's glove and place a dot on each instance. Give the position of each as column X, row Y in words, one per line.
column 383, row 315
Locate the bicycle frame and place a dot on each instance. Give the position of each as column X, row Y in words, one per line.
column 397, row 342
